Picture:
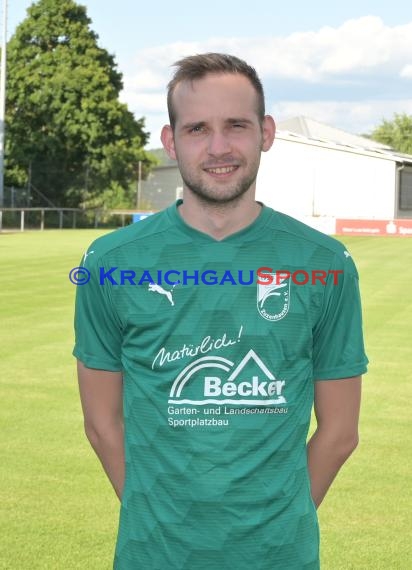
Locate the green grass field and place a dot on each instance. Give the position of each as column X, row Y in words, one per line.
column 57, row 511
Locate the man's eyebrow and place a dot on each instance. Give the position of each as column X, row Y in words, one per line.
column 193, row 125
column 233, row 120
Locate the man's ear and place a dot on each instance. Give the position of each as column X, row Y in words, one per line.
column 168, row 141
column 269, row 131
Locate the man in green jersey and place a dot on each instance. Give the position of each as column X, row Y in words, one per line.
column 199, row 359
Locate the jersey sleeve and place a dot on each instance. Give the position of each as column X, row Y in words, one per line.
column 98, row 331
column 338, row 346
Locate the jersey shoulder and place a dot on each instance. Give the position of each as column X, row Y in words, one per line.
column 296, row 230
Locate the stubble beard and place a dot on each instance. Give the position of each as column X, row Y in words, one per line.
column 211, row 194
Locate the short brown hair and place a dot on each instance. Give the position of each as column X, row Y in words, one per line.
column 198, row 66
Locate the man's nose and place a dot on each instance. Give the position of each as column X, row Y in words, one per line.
column 219, row 143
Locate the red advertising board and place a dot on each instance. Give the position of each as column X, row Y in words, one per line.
column 398, row 228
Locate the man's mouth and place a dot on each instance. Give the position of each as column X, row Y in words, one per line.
column 222, row 169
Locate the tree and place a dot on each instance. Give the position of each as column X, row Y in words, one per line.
column 396, row 133
column 67, row 132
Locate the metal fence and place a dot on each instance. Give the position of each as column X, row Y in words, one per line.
column 15, row 219
column 38, row 218
column 29, row 209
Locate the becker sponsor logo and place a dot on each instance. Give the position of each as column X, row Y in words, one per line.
column 217, row 380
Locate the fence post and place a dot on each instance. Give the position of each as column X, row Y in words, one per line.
column 60, row 219
column 74, row 219
column 42, row 220
column 22, row 221
column 1, row 220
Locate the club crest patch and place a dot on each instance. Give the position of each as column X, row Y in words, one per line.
column 273, row 297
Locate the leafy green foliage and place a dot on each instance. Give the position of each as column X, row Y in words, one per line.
column 396, row 133
column 66, row 128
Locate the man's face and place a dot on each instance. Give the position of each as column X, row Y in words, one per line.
column 218, row 137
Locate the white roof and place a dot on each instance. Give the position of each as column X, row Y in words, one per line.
column 315, row 130
column 308, row 131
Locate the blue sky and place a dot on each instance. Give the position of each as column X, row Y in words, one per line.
column 348, row 64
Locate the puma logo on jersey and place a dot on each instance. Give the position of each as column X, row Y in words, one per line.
column 86, row 255
column 159, row 289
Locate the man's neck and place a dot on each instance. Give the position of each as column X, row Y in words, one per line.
column 219, row 220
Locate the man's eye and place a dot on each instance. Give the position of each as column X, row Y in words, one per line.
column 197, row 129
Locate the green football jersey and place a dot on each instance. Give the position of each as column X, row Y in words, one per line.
column 219, row 343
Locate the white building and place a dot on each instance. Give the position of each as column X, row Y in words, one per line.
column 319, row 180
